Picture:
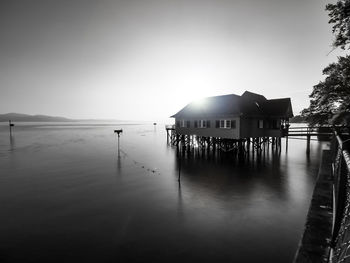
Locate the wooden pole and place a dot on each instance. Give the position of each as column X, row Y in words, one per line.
column 308, row 140
column 179, row 178
column 118, row 132
column 10, row 126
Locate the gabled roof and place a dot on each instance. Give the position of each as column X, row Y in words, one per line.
column 253, row 96
column 211, row 106
column 278, row 108
column 249, row 104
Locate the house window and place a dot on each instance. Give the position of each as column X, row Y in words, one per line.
column 182, row 124
column 226, row 124
column 202, row 124
column 188, row 124
column 222, row 123
column 260, row 124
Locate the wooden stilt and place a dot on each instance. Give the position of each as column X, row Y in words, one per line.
column 308, row 141
column 10, row 126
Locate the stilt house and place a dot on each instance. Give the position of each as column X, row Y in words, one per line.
column 235, row 117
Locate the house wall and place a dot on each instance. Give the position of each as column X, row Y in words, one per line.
column 250, row 128
column 245, row 128
column 227, row 133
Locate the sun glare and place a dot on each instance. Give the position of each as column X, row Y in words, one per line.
column 199, row 102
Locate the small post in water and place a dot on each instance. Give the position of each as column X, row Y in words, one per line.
column 10, row 126
column 118, row 132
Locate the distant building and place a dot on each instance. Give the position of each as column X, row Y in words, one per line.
column 235, row 117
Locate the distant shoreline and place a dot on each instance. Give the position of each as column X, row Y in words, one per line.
column 19, row 117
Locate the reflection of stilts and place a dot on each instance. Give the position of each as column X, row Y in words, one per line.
column 180, row 203
column 179, row 158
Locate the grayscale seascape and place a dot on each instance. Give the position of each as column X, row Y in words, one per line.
column 68, row 195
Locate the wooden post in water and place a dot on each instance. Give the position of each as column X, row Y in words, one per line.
column 10, row 126
column 118, row 132
column 308, row 140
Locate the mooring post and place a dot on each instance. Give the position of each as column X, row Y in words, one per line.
column 10, row 126
column 118, row 132
column 308, row 140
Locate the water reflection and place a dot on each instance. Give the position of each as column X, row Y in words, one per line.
column 12, row 142
column 63, row 186
column 180, row 202
column 215, row 173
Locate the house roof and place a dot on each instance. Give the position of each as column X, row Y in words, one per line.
column 248, row 104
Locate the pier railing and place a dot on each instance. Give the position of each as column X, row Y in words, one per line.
column 310, row 131
column 340, row 151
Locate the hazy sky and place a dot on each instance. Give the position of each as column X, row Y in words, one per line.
column 145, row 60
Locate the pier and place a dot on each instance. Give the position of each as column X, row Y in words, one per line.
column 322, row 133
column 327, row 234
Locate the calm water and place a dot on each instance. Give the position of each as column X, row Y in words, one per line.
column 66, row 195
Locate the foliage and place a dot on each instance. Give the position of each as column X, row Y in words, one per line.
column 330, row 99
column 339, row 14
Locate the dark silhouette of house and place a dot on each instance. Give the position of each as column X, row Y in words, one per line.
column 232, row 116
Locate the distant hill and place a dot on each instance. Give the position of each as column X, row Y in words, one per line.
column 297, row 119
column 31, row 118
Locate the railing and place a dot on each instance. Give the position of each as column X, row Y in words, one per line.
column 169, row 127
column 305, row 130
column 341, row 173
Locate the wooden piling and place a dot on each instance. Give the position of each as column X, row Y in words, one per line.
column 10, row 127
column 308, row 142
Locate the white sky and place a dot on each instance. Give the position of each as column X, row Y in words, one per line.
column 145, row 60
